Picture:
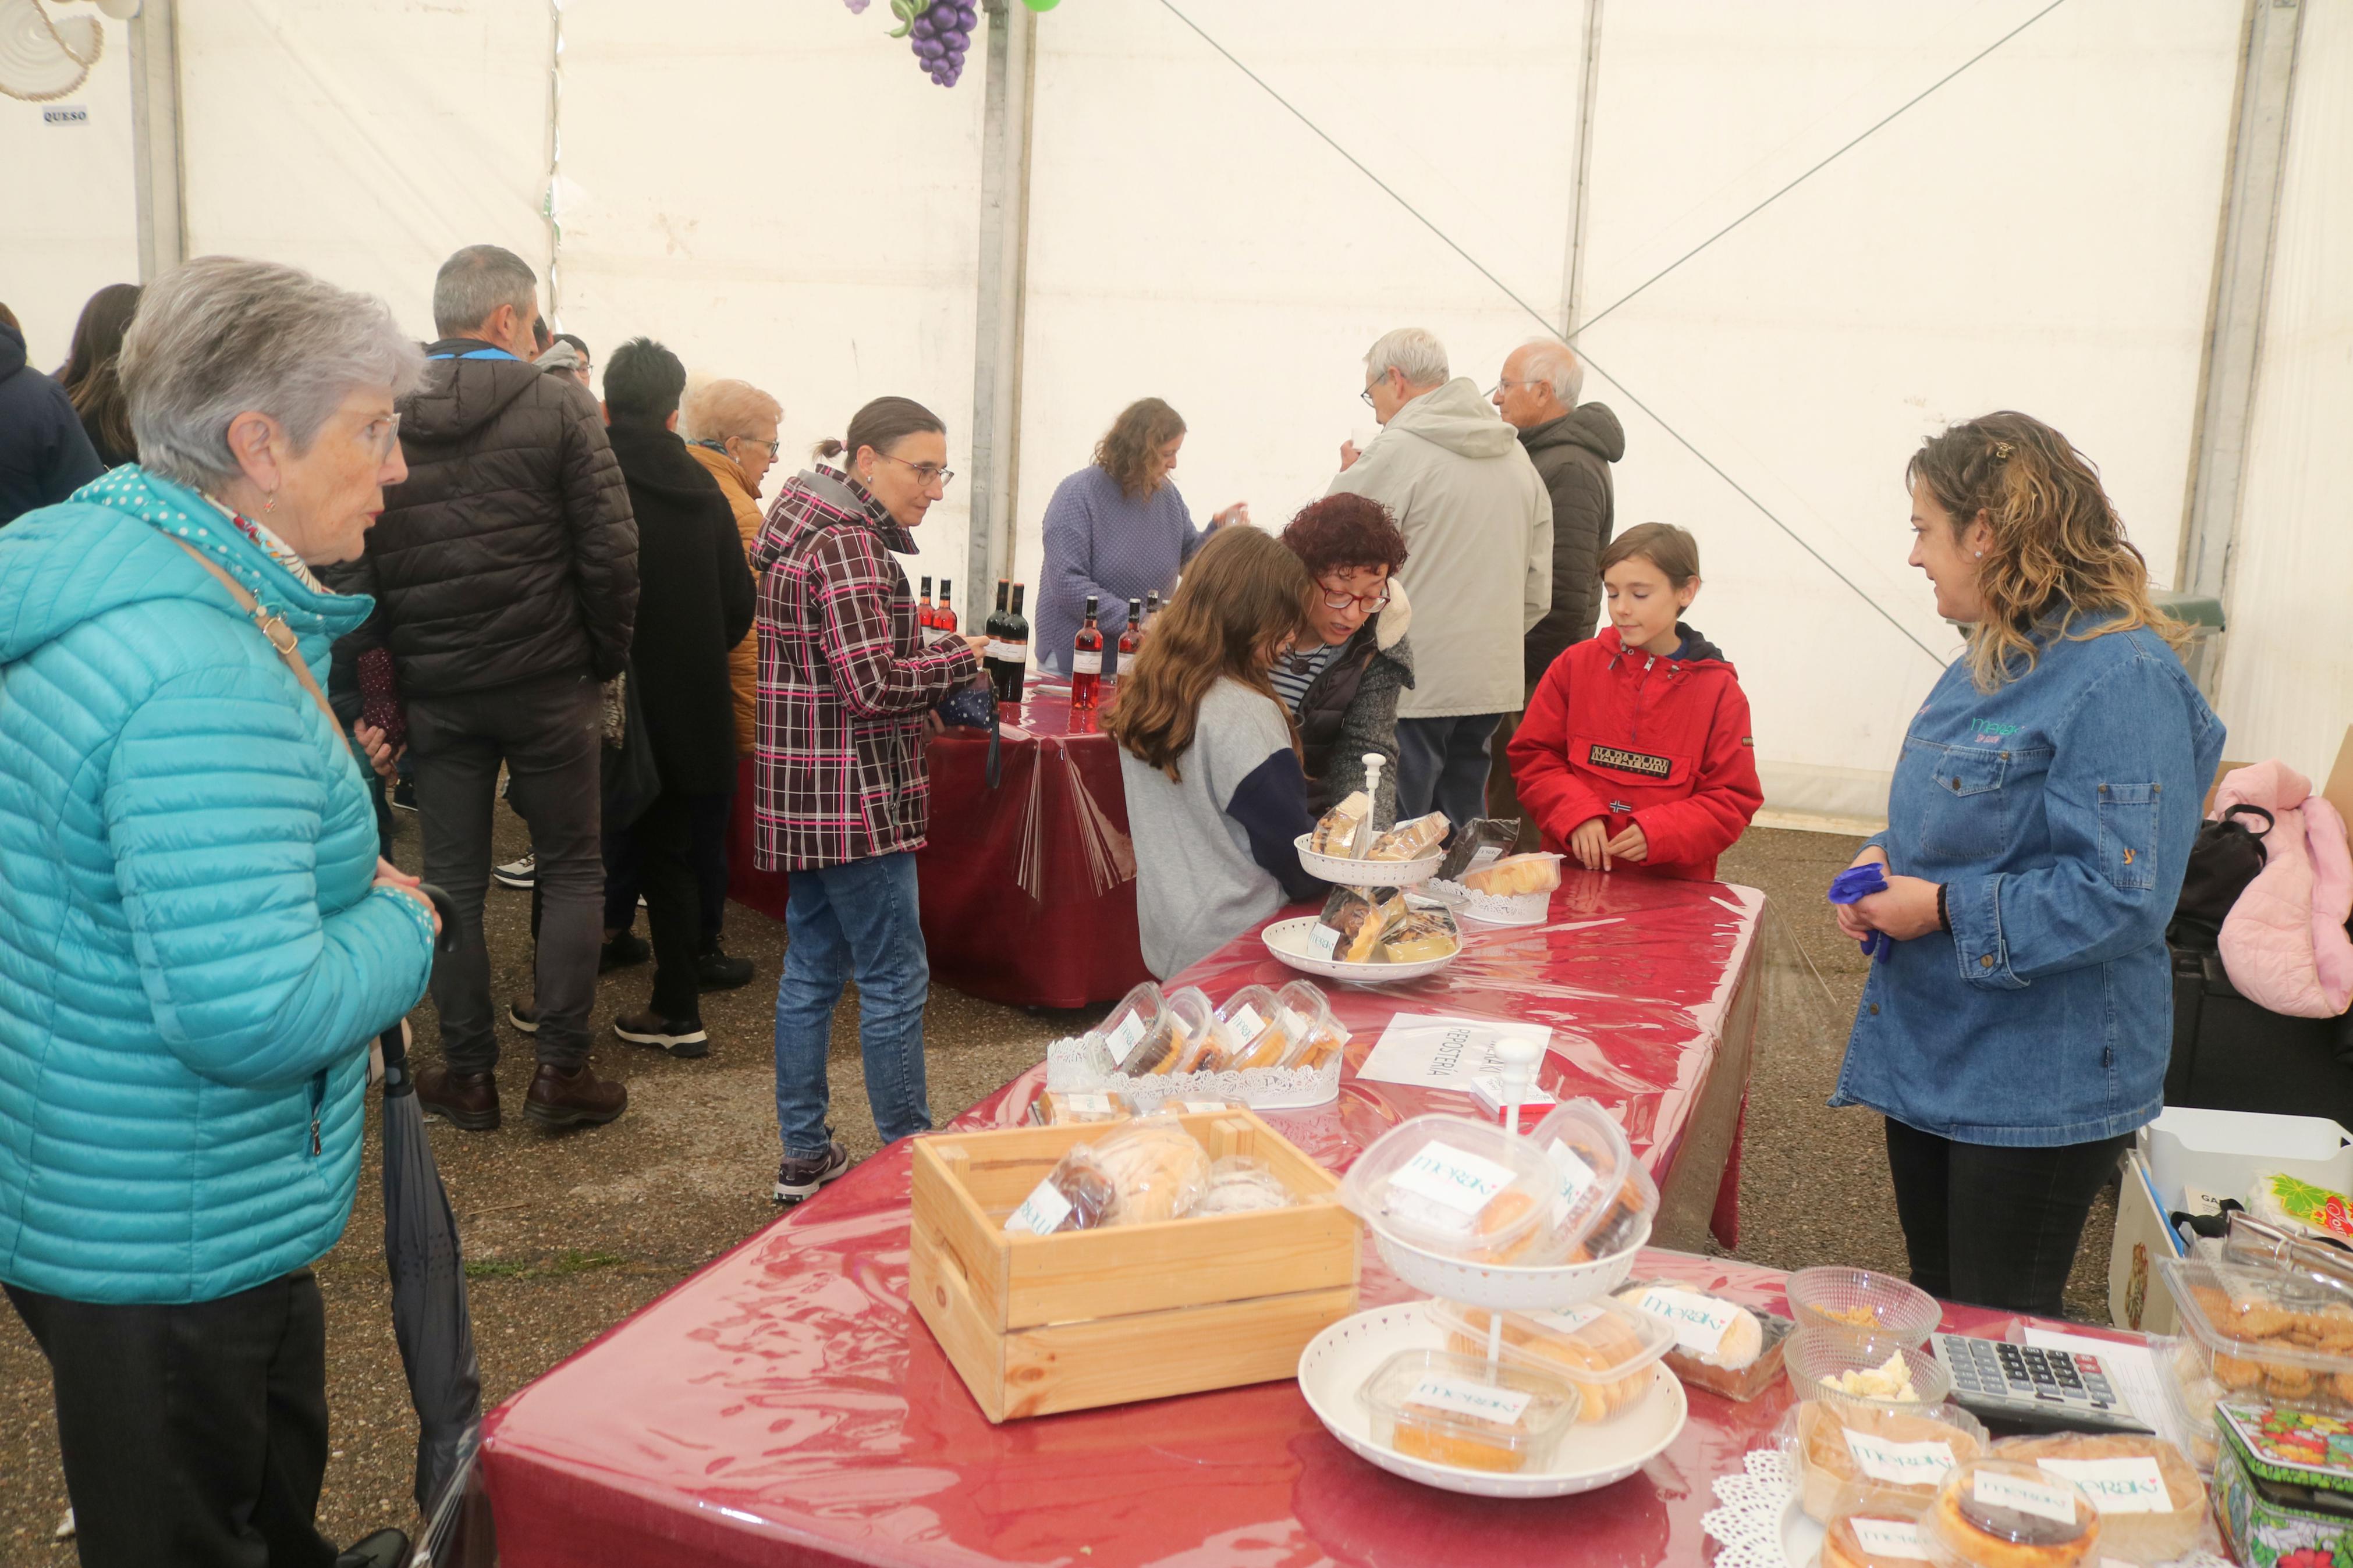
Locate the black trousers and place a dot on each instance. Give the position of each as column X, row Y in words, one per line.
column 196, row 1435
column 622, row 859
column 666, row 872
column 1995, row 1227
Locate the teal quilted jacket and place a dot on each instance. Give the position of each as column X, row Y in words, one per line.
column 191, row 959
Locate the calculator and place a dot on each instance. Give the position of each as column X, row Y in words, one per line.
column 2030, row 1388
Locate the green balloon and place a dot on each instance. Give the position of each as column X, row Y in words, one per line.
column 1041, row 4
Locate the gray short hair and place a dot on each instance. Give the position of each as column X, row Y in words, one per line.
column 221, row 335
column 1551, row 360
column 1413, row 352
column 477, row 281
column 718, row 409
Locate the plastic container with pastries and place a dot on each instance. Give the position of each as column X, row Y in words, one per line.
column 1607, row 1350
column 1456, row 1188
column 1058, row 1108
column 1185, row 1020
column 1886, row 1457
column 2001, row 1513
column 2151, row 1500
column 2185, row 1378
column 1720, row 1345
column 1602, row 1194
column 2276, row 1333
column 1316, row 1036
column 1453, row 1410
column 1250, row 1031
column 1867, row 1532
column 1126, row 1032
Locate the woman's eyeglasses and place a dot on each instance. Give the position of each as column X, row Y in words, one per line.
column 774, row 447
column 1371, row 604
column 926, row 473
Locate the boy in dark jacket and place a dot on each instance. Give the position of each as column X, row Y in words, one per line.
column 1636, row 744
column 45, row 455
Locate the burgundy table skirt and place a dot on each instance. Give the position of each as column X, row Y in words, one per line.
column 1029, row 890
column 785, row 1407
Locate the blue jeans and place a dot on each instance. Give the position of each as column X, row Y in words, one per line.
column 861, row 919
column 1442, row 765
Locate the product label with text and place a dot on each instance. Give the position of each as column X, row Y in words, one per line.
column 1700, row 1321
column 1889, row 1538
column 1086, row 662
column 2133, row 1485
column 1457, row 1178
column 1479, row 1401
column 1899, row 1464
column 2021, row 1494
column 1040, row 1212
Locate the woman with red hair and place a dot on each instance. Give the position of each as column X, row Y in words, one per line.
column 1342, row 689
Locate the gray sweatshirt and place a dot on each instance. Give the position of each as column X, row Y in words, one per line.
column 1214, row 848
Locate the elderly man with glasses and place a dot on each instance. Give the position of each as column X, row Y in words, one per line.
column 1476, row 518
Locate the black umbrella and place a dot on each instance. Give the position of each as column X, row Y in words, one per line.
column 428, row 1276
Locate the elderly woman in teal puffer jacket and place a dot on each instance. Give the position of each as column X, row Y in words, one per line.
column 197, row 939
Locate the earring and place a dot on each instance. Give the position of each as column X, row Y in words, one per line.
column 1980, row 554
column 269, row 502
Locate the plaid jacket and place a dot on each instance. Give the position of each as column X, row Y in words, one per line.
column 845, row 680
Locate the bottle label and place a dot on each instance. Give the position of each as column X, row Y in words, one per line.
column 2133, row 1485
column 1086, row 662
column 1040, row 1212
column 2020, row 1494
column 1700, row 1321
column 1478, row 1401
column 1889, row 1538
column 1462, row 1181
column 1899, row 1464
column 1008, row 652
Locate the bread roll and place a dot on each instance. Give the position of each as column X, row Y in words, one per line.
column 1515, row 874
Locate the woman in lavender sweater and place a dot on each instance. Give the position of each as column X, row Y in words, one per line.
column 1118, row 529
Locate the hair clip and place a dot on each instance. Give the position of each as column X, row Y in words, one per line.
column 2001, row 450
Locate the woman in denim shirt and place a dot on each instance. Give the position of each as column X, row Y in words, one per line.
column 2038, row 825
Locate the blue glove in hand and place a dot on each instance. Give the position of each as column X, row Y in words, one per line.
column 1859, row 882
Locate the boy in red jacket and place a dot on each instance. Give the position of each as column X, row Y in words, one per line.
column 1635, row 745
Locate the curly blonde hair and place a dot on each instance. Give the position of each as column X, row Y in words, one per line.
column 2059, row 559
column 1126, row 451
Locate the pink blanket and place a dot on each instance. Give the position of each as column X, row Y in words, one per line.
column 2284, row 943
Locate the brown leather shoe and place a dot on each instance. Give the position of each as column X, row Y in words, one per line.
column 560, row 1098
column 464, row 1100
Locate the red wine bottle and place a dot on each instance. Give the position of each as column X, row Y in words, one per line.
column 924, row 607
column 1013, row 652
column 1086, row 662
column 1131, row 637
column 945, row 617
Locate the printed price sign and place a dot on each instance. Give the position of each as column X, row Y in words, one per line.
column 1899, row 1464
column 1700, row 1321
column 1479, row 1401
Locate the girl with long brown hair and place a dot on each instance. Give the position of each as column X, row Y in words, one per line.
column 1210, row 762
column 2038, row 827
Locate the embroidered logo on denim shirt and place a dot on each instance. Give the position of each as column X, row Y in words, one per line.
column 1630, row 762
column 1994, row 734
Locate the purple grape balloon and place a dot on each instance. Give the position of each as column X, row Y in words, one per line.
column 941, row 36
column 857, row 8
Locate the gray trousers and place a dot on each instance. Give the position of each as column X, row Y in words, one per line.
column 550, row 735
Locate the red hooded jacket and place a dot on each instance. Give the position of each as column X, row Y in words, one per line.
column 1636, row 737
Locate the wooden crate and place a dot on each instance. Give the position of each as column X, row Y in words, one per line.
column 1037, row 1324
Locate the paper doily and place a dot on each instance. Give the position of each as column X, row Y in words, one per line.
column 1747, row 1527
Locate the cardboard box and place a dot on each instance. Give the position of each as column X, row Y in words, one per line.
column 2144, row 1238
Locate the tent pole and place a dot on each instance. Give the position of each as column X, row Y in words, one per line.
column 1573, row 287
column 997, row 337
column 158, row 175
column 2235, row 305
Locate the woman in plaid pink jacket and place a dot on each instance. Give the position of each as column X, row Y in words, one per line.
column 841, row 794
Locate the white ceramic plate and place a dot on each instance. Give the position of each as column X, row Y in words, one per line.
column 1801, row 1538
column 1349, row 873
column 1287, row 940
column 1495, row 1285
column 1337, row 1361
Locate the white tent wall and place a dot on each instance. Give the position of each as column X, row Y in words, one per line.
column 776, row 193
column 2287, row 664
column 365, row 143
column 72, row 221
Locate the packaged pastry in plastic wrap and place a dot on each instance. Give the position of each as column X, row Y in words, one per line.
column 1605, row 1349
column 2278, row 1332
column 1315, row 1034
column 1491, row 835
column 1078, row 1194
column 1419, row 934
column 1186, row 1020
column 1135, row 1031
column 1346, row 831
column 1720, row 1345
column 1999, row 1513
column 2151, row 1500
column 1411, row 841
column 1250, row 1031
column 1456, row 1188
column 2191, row 1392
column 1137, row 1173
column 1454, row 1410
column 1603, row 1197
column 1357, row 919
column 1867, row 1532
column 1058, row 1108
column 1536, row 873
column 1888, row 1457
column 1239, row 1185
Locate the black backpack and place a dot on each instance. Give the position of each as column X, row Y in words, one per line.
column 2225, row 858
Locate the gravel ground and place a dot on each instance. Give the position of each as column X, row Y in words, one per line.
column 566, row 1234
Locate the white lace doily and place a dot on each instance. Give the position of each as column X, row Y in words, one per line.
column 1068, row 1071
column 1747, row 1527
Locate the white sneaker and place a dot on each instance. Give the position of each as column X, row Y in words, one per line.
column 523, row 873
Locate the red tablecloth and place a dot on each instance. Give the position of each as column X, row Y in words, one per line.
column 785, row 1407
column 1029, row 890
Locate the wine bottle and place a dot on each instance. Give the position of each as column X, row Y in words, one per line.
column 1151, row 608
column 1131, row 636
column 992, row 660
column 1013, row 659
column 1086, row 662
column 945, row 617
column 923, row 606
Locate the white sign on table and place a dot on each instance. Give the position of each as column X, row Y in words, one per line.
column 1434, row 1050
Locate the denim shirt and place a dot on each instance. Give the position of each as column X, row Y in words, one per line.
column 2058, row 810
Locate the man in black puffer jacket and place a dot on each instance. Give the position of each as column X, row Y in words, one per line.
column 505, row 573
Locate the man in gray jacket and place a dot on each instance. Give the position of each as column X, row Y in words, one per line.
column 1479, row 526
column 1572, row 446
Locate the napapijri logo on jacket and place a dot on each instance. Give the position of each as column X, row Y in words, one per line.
column 1630, row 762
